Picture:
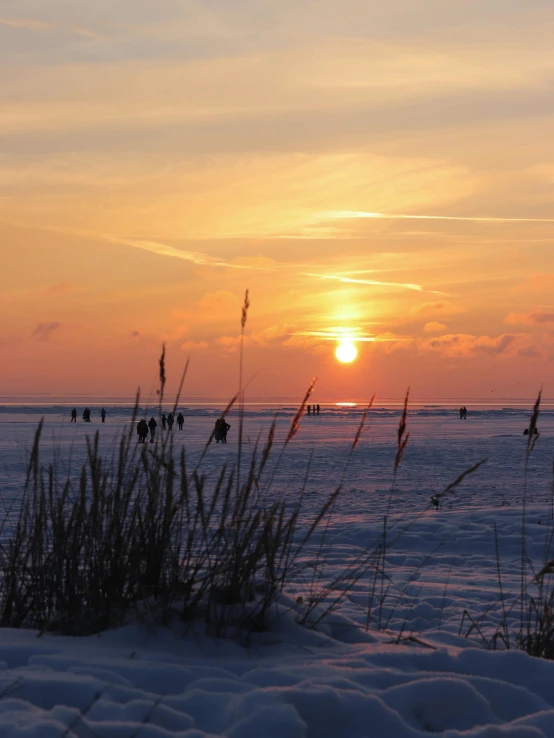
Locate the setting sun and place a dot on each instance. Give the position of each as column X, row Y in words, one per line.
column 346, row 352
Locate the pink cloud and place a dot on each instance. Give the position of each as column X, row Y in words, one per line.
column 535, row 317
column 529, row 352
column 465, row 344
column 43, row 331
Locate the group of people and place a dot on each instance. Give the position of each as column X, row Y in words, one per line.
column 221, row 430
column 170, row 420
column 143, row 427
column 313, row 410
column 463, row 413
column 86, row 415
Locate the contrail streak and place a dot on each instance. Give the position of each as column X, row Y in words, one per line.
column 363, row 214
column 162, row 249
column 370, row 282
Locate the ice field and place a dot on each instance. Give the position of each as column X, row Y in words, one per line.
column 418, row 674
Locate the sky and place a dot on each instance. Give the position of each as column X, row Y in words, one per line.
column 377, row 171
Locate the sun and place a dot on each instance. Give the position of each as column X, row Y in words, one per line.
column 346, row 352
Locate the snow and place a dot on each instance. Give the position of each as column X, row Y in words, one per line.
column 417, row 677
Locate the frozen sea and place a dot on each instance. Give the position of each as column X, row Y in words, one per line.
column 429, row 669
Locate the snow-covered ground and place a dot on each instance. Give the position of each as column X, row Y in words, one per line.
column 417, row 676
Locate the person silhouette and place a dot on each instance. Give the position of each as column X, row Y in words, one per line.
column 103, row 415
column 74, row 415
column 152, row 425
column 142, row 430
column 309, row 409
column 224, row 427
column 164, row 421
column 317, row 408
column 170, row 421
column 180, row 421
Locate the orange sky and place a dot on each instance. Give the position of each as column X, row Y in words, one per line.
column 158, row 158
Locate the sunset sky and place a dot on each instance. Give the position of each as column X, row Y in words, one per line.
column 383, row 171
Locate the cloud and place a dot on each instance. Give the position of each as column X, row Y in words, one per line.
column 259, row 338
column 536, row 283
column 465, row 344
column 435, row 309
column 535, row 317
column 434, row 327
column 32, row 24
column 370, row 282
column 220, row 300
column 43, row 331
column 529, row 352
column 60, row 287
column 194, row 345
column 362, row 214
column 27, row 24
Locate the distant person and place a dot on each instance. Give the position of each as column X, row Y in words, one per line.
column 180, row 421
column 142, row 430
column 461, row 413
column 74, row 415
column 309, row 409
column 317, row 408
column 86, row 415
column 152, row 425
column 465, row 412
column 170, row 421
column 139, row 430
column 224, row 427
column 218, row 435
column 164, row 421
column 103, row 415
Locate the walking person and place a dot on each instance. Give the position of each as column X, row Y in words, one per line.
column 170, row 421
column 74, row 415
column 143, row 425
column 224, row 426
column 217, row 431
column 103, row 415
column 180, row 421
column 317, row 408
column 309, row 409
column 164, row 421
column 152, row 425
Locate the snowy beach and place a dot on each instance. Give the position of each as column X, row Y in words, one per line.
column 412, row 672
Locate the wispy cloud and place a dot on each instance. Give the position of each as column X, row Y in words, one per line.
column 32, row 24
column 363, row 214
column 162, row 249
column 370, row 282
column 43, row 331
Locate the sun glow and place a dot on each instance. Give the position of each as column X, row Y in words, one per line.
column 346, row 352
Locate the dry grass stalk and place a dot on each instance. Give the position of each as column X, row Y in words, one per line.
column 435, row 499
column 532, row 430
column 402, row 441
column 245, row 307
column 362, row 423
column 162, row 375
column 295, row 425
